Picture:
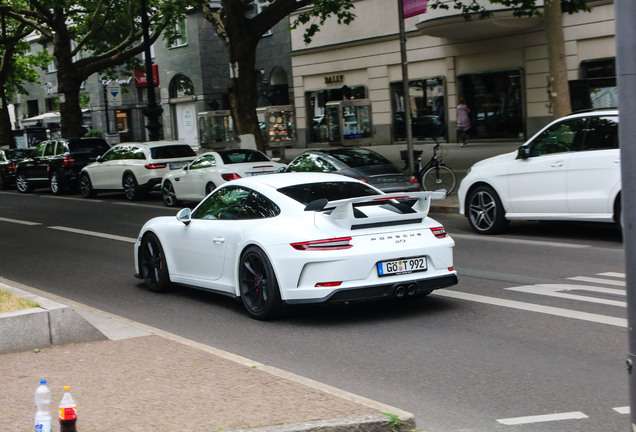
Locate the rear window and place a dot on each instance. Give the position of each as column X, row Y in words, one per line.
column 172, row 152
column 85, row 145
column 332, row 191
column 241, row 156
column 358, row 158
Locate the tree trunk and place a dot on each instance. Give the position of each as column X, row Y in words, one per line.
column 558, row 75
column 69, row 83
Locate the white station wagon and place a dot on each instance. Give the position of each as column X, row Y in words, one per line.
column 134, row 167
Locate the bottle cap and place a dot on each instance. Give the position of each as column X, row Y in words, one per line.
column 42, row 382
column 67, row 388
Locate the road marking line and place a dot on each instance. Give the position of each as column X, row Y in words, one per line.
column 623, row 410
column 574, row 415
column 598, row 280
column 613, row 274
column 95, row 234
column 555, row 290
column 21, row 222
column 70, row 198
column 549, row 310
column 521, row 241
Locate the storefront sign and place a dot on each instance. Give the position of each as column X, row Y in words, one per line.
column 140, row 77
column 334, row 79
column 414, row 7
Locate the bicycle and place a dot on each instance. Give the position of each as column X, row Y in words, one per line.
column 435, row 174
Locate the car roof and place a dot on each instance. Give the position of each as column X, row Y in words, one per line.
column 292, row 178
column 149, row 144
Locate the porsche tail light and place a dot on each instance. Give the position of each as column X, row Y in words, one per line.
column 439, row 232
column 363, row 180
column 151, row 166
column 327, row 244
column 230, row 176
column 68, row 161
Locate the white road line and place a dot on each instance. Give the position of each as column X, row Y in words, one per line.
column 70, row 198
column 613, row 274
column 623, row 410
column 95, row 234
column 574, row 415
column 21, row 222
column 518, row 241
column 598, row 280
column 555, row 290
column 549, row 310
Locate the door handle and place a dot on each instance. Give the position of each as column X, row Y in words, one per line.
column 558, row 164
column 218, row 240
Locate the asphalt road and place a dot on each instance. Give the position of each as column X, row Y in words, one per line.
column 533, row 338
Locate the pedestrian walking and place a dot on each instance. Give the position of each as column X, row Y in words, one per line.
column 463, row 121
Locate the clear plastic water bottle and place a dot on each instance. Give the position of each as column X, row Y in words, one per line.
column 43, row 419
column 67, row 412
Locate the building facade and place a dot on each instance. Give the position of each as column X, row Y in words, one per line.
column 499, row 65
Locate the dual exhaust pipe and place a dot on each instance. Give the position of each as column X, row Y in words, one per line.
column 405, row 290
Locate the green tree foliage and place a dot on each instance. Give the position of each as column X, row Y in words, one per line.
column 552, row 11
column 241, row 35
column 90, row 36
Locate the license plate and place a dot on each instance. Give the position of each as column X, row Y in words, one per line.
column 402, row 266
column 261, row 173
column 177, row 165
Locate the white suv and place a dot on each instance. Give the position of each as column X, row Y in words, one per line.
column 135, row 167
column 570, row 170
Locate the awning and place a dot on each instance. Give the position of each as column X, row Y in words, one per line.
column 50, row 117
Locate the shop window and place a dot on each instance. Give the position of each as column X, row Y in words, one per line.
column 317, row 107
column 428, row 109
column 597, row 87
column 496, row 103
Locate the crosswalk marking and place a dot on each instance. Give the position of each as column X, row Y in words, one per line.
column 598, row 280
column 555, row 290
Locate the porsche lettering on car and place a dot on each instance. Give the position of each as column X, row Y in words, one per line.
column 299, row 238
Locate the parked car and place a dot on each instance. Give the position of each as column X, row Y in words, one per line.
column 57, row 163
column 570, row 170
column 299, row 238
column 134, row 167
column 8, row 161
column 197, row 179
column 359, row 163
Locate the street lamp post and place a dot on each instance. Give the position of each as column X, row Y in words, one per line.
column 152, row 111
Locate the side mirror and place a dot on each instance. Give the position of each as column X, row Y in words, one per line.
column 185, row 216
column 98, row 159
column 282, row 170
column 523, row 152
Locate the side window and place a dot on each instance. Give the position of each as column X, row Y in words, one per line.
column 234, row 202
column 206, row 161
column 311, row 163
column 136, row 153
column 113, row 154
column 50, row 149
column 561, row 137
column 39, row 150
column 601, row 134
column 62, row 148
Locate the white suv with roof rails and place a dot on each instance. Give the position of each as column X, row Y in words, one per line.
column 135, row 167
column 570, row 170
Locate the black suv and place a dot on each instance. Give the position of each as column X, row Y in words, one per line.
column 57, row 163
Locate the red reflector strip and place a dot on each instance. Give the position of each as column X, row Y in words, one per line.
column 328, row 284
column 155, row 166
column 387, row 198
column 439, row 232
column 327, row 244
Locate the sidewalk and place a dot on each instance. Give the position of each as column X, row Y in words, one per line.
column 139, row 379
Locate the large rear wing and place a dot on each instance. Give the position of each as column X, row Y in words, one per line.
column 407, row 207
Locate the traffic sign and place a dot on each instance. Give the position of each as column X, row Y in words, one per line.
column 113, row 93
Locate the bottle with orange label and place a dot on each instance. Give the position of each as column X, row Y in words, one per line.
column 67, row 412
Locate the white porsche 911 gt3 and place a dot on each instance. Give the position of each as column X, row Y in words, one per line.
column 298, row 238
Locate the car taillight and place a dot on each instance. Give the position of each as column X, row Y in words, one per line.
column 413, row 179
column 327, row 244
column 11, row 166
column 155, row 165
column 68, row 161
column 364, row 180
column 230, row 176
column 439, row 232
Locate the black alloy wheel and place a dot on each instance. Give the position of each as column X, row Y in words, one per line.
column 258, row 285
column 168, row 194
column 86, row 187
column 152, row 264
column 485, row 211
column 131, row 189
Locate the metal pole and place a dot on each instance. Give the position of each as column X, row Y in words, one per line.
column 405, row 89
column 152, row 111
column 625, row 16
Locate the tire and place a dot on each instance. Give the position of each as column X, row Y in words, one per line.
column 436, row 178
column 131, row 188
column 152, row 264
column 484, row 211
column 258, row 285
column 209, row 188
column 168, row 194
column 57, row 186
column 22, row 183
column 86, row 187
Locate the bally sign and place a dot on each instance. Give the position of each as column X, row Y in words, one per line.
column 414, row 7
column 140, row 77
